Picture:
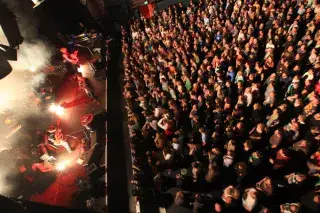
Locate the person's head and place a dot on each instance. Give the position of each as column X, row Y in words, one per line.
column 315, row 101
column 316, row 198
column 240, row 125
column 278, row 132
column 249, row 199
column 241, row 169
column 284, row 75
column 228, row 84
column 261, row 127
column 240, row 86
column 257, row 106
column 265, row 185
column 215, row 151
column 300, row 177
column 284, row 153
column 247, row 145
column 202, row 130
column 283, row 107
column 247, row 90
column 297, row 102
column 297, row 57
column 290, row 208
column 64, row 50
column 230, row 193
column 301, row 119
column 195, row 107
column 179, row 199
column 317, row 116
column 255, row 158
column 231, row 145
column 272, row 95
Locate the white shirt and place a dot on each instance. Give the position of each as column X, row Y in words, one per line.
column 250, row 202
column 154, row 124
column 175, row 146
column 206, row 21
column 248, row 98
column 310, row 77
column 135, row 35
column 162, row 126
column 227, row 160
column 157, row 112
column 270, row 46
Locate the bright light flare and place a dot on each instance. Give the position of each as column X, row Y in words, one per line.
column 59, row 110
column 4, row 99
column 32, row 69
column 81, row 69
column 37, row 2
column 2, row 102
column 62, row 165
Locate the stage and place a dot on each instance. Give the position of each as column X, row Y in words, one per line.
column 59, row 188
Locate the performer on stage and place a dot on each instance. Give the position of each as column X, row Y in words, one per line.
column 85, row 85
column 81, row 55
column 70, row 57
column 57, row 138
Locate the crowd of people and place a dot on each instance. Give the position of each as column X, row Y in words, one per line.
column 223, row 104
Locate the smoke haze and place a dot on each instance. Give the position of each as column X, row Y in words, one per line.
column 15, row 89
column 33, row 55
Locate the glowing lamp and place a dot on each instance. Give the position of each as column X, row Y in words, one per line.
column 52, row 108
column 62, row 165
column 37, row 3
column 3, row 100
column 59, row 110
column 2, row 103
column 81, row 69
column 32, row 69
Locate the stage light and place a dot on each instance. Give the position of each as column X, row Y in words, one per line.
column 62, row 165
column 3, row 100
column 81, row 69
column 60, row 110
column 32, row 69
column 37, row 3
column 52, row 108
column 57, row 109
